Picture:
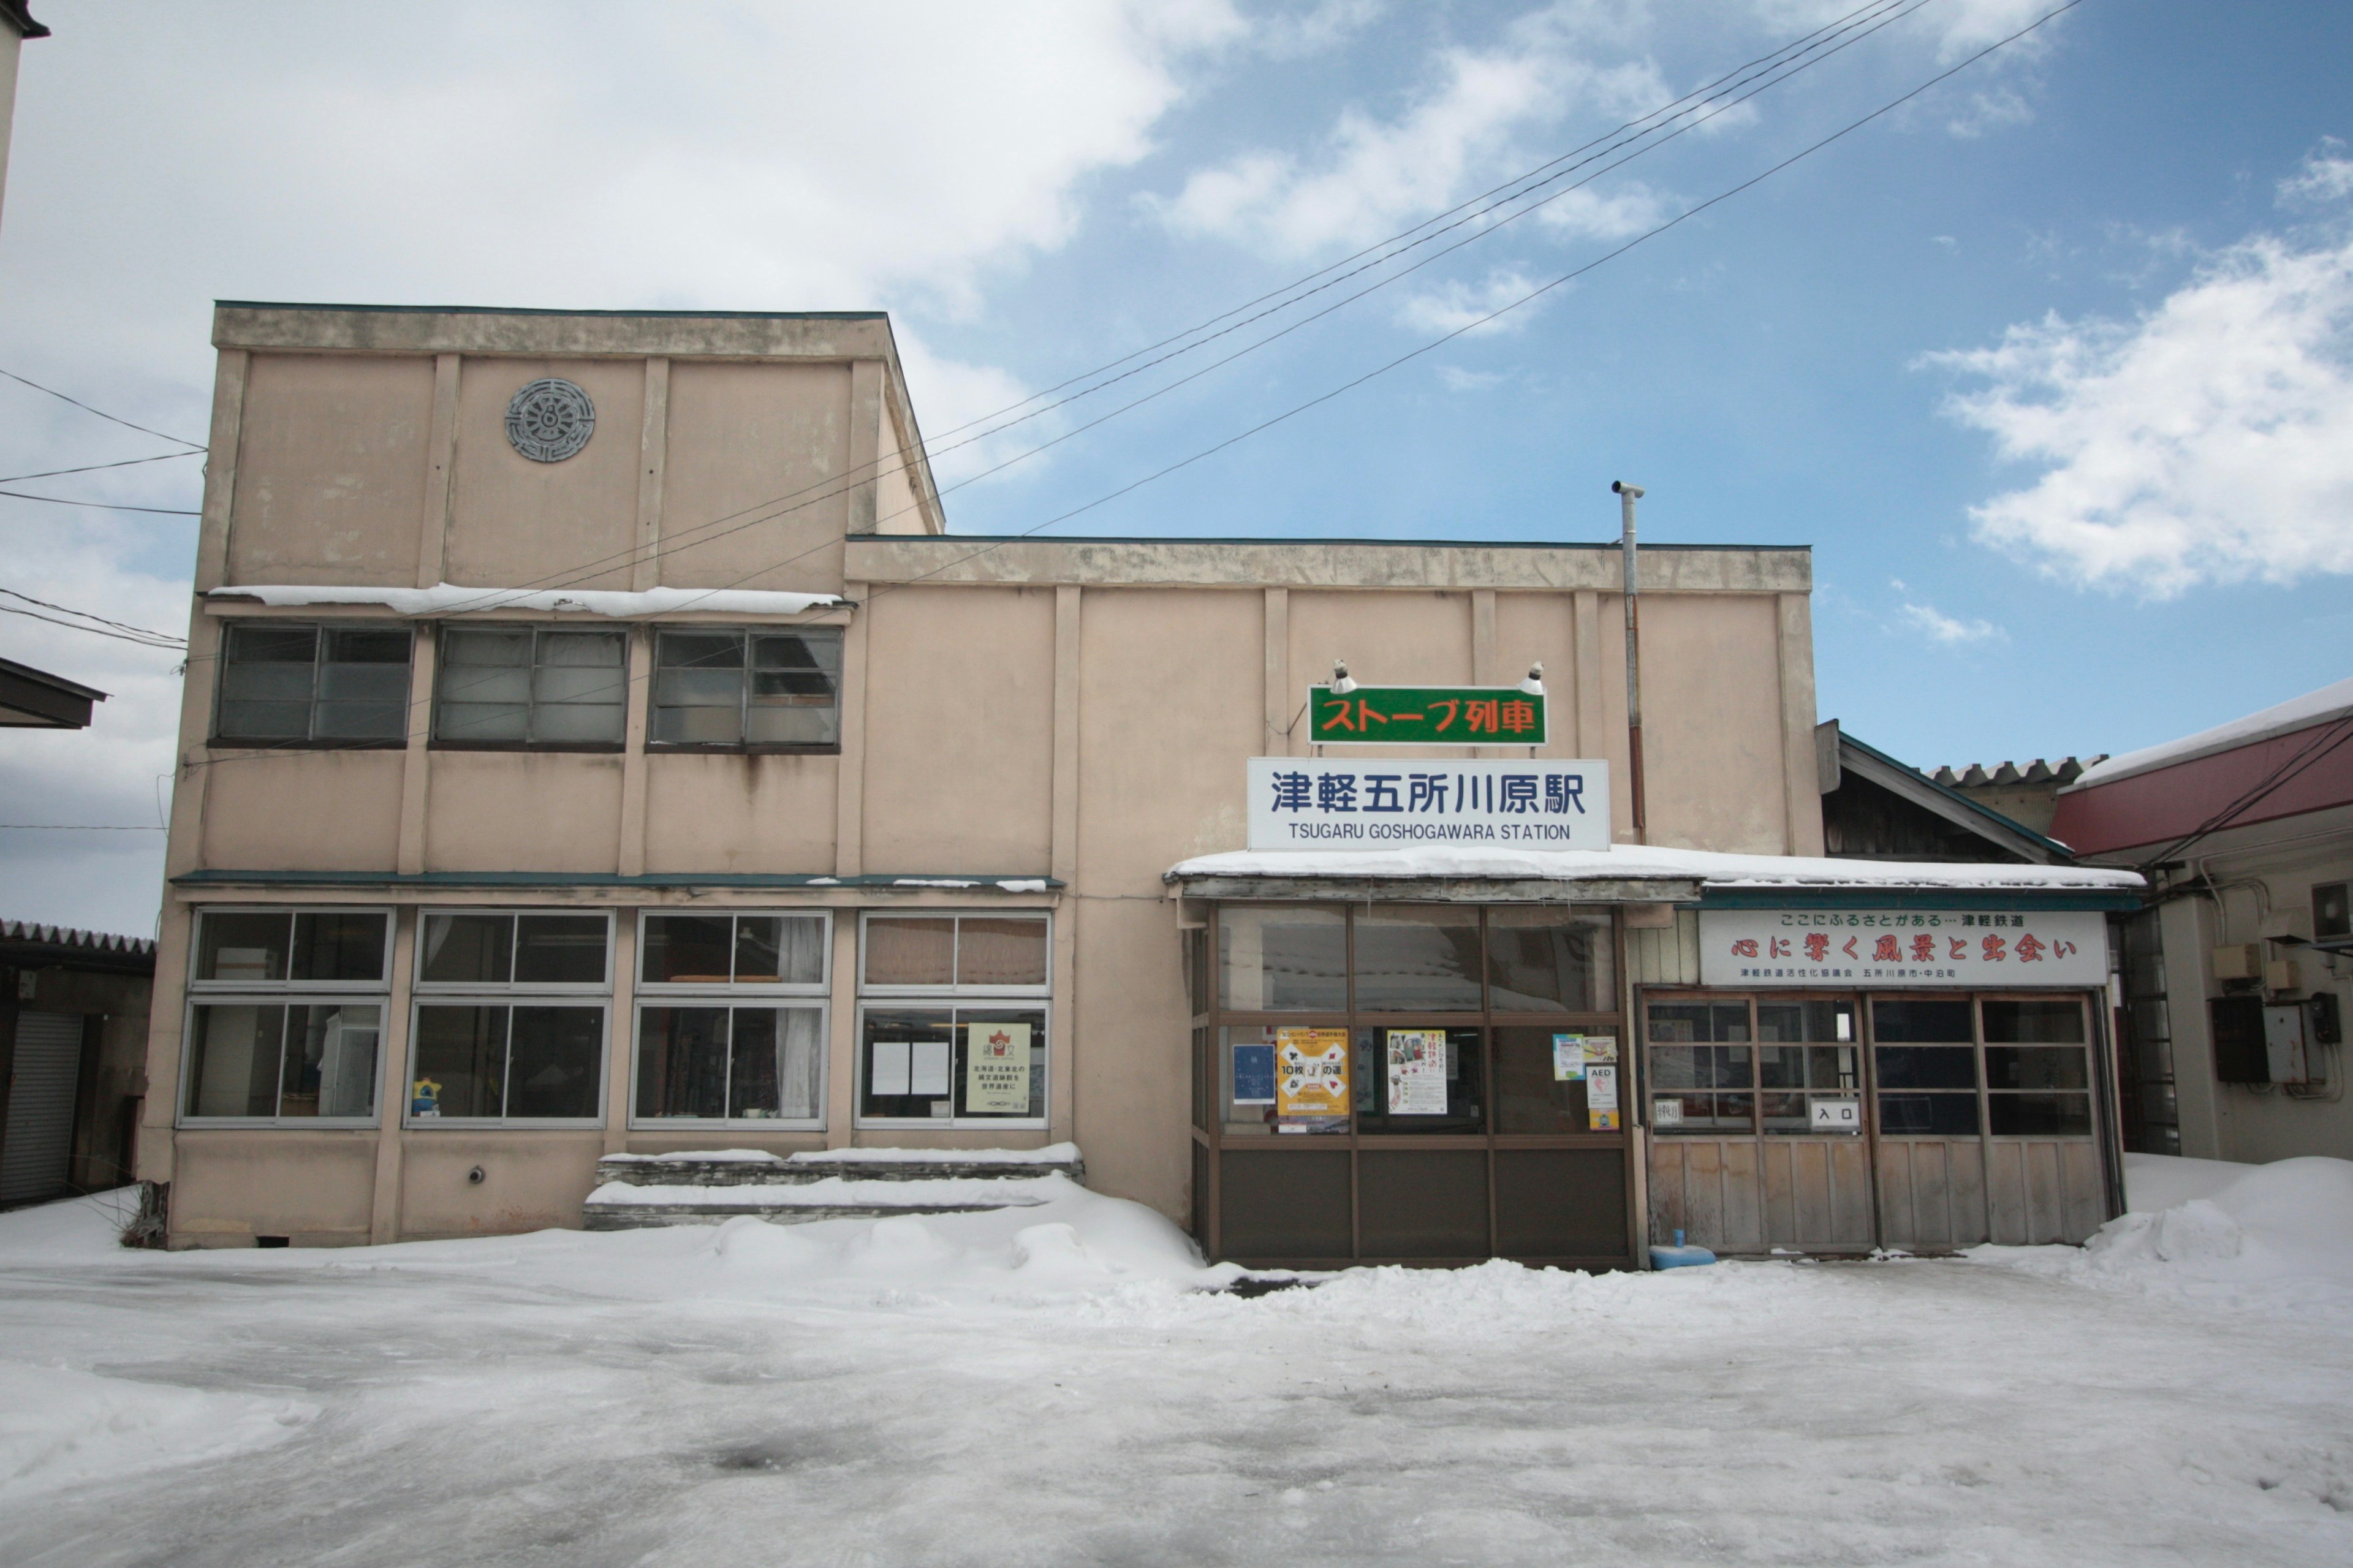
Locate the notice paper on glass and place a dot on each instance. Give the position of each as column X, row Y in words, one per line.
column 1568, row 1059
column 1253, row 1075
column 1600, row 1048
column 1417, row 1062
column 887, row 1073
column 997, row 1069
column 1310, row 1072
column 1601, row 1096
column 927, row 1068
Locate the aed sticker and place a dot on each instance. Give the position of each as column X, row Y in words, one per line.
column 1568, row 1059
column 1838, row 1116
column 1601, row 1096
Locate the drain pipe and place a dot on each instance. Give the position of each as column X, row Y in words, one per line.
column 1627, row 496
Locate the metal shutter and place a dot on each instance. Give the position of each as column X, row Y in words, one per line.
column 39, row 1144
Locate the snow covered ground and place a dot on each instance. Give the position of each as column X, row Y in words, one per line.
column 1050, row 1386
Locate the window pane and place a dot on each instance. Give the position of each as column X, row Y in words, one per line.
column 990, row 1048
column 363, row 686
column 1529, row 1097
column 1928, row 1115
column 688, row 726
column 560, row 950
column 603, row 651
column 699, row 650
column 1779, row 1066
column 578, row 723
column 1783, row 1114
column 1545, row 961
column 1000, row 951
column 233, row 1060
column 1834, row 1067
column 1677, row 1023
column 780, row 950
column 910, row 949
column 686, row 950
column 483, row 722
column 468, row 950
column 1416, row 958
column 1921, row 1019
column 461, row 1062
column 2036, row 1066
column 388, row 644
column 1680, row 1067
column 273, row 645
column 698, row 696
column 1927, row 1066
column 683, row 1061
column 774, row 1068
column 1419, row 1081
column 330, row 1061
column 242, row 947
column 485, row 649
column 752, row 1064
column 792, row 669
column 554, row 1069
column 1282, row 959
column 770, row 723
column 339, row 946
column 2034, row 1023
column 907, row 1064
column 2040, row 1115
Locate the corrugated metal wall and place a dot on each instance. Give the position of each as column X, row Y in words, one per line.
column 41, row 1107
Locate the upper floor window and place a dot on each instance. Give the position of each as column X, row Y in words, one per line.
column 290, row 683
column 548, row 686
column 757, row 689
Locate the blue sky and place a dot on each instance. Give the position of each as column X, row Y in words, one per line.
column 2049, row 365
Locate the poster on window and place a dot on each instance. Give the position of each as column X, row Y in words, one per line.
column 1310, row 1072
column 1601, row 1096
column 1416, row 1063
column 1253, row 1075
column 997, row 1069
column 1569, row 1058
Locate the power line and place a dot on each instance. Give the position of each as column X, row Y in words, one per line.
column 102, row 506
column 1326, row 396
column 74, row 827
column 93, row 468
column 102, row 414
column 164, row 637
column 94, row 631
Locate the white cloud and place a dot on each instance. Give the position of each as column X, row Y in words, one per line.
column 2325, row 176
column 1454, row 378
column 1937, row 627
column 1455, row 306
column 1993, row 110
column 2208, row 441
column 1290, row 35
column 1374, row 176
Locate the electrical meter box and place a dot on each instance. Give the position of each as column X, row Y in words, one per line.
column 2284, row 1044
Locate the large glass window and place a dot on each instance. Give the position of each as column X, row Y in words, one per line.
column 268, row 1040
column 1702, row 1075
column 1286, row 958
column 1808, row 1068
column 2038, row 1078
column 708, row 1047
column 511, row 1019
column 1925, row 1055
column 737, row 950
column 956, row 953
column 758, row 688
column 1418, row 958
column 953, row 1066
column 1419, row 1081
column 303, row 684
column 531, row 686
column 1551, row 960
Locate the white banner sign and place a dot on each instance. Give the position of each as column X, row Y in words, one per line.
column 1882, row 948
column 1301, row 803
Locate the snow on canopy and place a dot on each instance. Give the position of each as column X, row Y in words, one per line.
column 2330, row 702
column 1639, row 862
column 448, row 599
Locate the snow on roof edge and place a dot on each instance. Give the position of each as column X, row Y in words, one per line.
column 2329, row 703
column 1636, row 862
column 447, row 599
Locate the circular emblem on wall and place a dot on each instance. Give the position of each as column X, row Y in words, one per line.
column 550, row 420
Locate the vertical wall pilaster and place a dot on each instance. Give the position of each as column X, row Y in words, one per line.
column 1801, row 791
column 620, row 1052
column 440, row 462
column 1277, row 673
column 653, row 451
column 392, row 1104
column 1584, row 685
column 865, row 442
column 417, row 764
column 841, row 1043
column 1062, row 1074
column 632, row 856
column 849, row 779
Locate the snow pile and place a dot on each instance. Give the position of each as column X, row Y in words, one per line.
column 450, row 599
column 840, row 1192
column 59, row 1427
column 1051, row 1154
column 2268, row 1237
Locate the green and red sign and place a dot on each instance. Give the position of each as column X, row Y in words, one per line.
column 1426, row 716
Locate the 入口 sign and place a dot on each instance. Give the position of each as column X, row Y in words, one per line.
column 1322, row 802
column 1883, row 948
column 1426, row 716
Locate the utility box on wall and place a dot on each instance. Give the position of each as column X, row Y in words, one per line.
column 2284, row 1044
column 2241, row 1055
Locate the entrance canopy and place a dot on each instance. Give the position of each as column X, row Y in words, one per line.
column 1631, row 874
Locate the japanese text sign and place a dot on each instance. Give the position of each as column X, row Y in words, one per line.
column 997, row 1069
column 1426, row 716
column 1310, row 1072
column 1898, row 948
column 1300, row 803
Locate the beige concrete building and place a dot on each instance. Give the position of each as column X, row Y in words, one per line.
column 593, row 743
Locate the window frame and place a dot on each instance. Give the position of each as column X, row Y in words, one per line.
column 436, row 740
column 491, row 996
column 376, row 987
column 808, row 996
column 216, row 739
column 740, row 745
column 951, row 991
column 511, row 987
column 820, row 987
column 248, row 995
column 952, row 1006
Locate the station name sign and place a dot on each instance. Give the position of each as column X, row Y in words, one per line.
column 1898, row 948
column 1426, row 716
column 1300, row 803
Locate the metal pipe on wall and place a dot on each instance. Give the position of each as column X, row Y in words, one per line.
column 1627, row 496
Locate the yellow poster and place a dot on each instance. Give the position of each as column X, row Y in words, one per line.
column 997, row 1069
column 1310, row 1072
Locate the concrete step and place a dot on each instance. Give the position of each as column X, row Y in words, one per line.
column 636, row 1205
column 723, row 1168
